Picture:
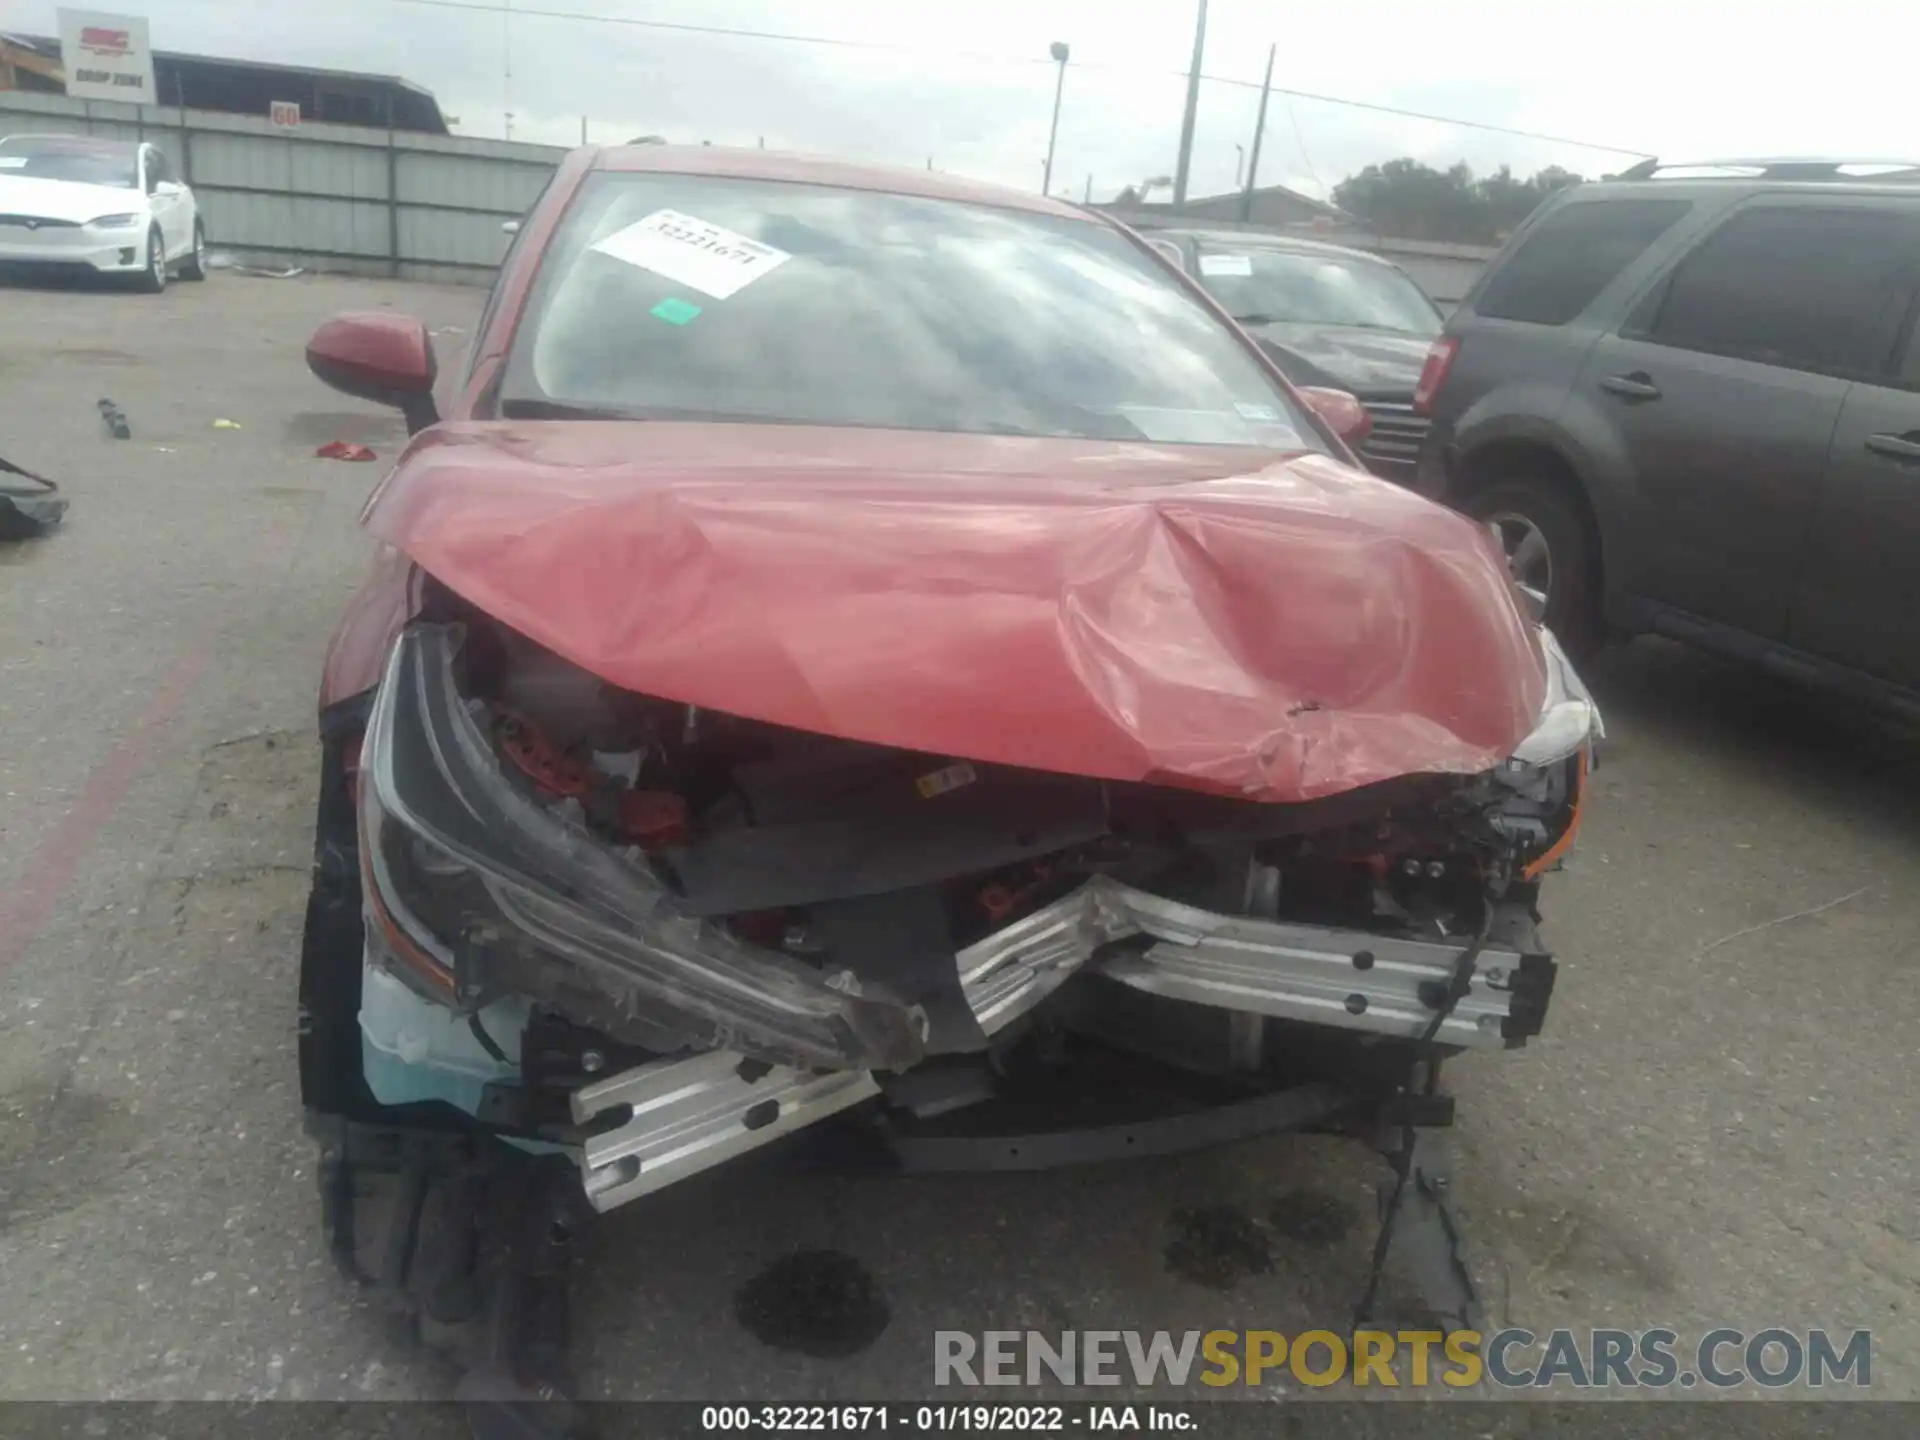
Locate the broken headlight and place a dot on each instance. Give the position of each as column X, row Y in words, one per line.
column 1544, row 784
column 1569, row 720
column 480, row 890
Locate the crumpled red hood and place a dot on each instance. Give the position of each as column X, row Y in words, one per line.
column 1218, row 619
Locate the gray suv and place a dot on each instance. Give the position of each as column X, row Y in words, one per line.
column 1688, row 401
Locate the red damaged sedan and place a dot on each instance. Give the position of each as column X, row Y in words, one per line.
column 861, row 646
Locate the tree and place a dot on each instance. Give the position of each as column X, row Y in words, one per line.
column 1416, row 202
column 1510, row 200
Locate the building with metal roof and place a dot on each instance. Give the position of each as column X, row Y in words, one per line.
column 245, row 87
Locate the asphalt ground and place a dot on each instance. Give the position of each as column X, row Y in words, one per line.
column 1719, row 1126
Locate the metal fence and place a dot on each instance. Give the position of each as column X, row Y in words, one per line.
column 329, row 197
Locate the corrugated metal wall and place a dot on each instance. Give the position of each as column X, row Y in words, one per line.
column 329, row 197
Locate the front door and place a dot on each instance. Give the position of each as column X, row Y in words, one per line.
column 169, row 204
column 1726, row 457
column 1726, row 384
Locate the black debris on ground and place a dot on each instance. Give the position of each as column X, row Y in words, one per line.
column 822, row 1303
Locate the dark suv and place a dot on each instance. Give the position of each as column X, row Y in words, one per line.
column 1688, row 400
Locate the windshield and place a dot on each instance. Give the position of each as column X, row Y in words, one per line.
column 87, row 164
column 702, row 297
column 1279, row 286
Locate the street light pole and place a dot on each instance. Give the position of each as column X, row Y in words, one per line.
column 1193, row 106
column 1059, row 52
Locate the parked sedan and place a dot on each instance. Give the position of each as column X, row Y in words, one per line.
column 1327, row 315
column 857, row 646
column 102, row 207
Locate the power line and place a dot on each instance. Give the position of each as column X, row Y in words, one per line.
column 1408, row 114
column 1300, row 143
column 491, row 7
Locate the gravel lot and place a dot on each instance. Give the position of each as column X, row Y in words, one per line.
column 1713, row 1130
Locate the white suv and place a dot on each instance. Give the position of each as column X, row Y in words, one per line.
column 113, row 207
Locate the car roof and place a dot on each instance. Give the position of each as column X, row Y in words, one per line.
column 821, row 170
column 1800, row 169
column 74, row 144
column 1265, row 240
column 1694, row 186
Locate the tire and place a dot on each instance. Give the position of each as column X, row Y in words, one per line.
column 1548, row 549
column 194, row 267
column 154, row 278
column 332, row 1082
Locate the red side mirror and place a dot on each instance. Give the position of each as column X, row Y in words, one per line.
column 387, row 359
column 1344, row 415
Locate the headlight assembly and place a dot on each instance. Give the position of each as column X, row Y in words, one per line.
column 479, row 889
column 1569, row 720
column 114, row 222
column 1545, row 782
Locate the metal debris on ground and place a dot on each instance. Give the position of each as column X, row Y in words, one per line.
column 226, row 424
column 26, row 512
column 227, row 260
column 341, row 450
column 115, row 420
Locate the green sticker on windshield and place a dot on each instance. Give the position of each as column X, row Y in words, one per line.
column 675, row 311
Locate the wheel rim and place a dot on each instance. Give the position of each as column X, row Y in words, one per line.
column 1529, row 557
column 199, row 249
column 157, row 259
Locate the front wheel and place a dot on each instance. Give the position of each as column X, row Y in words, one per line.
column 154, row 278
column 194, row 267
column 1548, row 551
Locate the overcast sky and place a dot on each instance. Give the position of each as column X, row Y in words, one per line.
column 969, row 85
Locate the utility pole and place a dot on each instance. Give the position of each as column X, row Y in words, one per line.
column 583, row 130
column 1086, row 196
column 1059, row 52
column 1259, row 130
column 1193, row 107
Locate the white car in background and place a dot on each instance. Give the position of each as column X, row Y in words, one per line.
column 112, row 206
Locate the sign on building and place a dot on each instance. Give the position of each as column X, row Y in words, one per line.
column 107, row 57
column 284, row 113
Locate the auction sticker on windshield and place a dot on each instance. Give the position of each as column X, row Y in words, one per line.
column 693, row 252
column 1226, row 265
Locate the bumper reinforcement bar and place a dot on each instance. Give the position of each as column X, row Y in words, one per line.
column 683, row 1116
column 689, row 1115
column 1343, row 978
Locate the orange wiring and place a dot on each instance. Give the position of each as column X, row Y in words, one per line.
column 1565, row 842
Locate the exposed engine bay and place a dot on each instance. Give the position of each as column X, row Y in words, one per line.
column 664, row 936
